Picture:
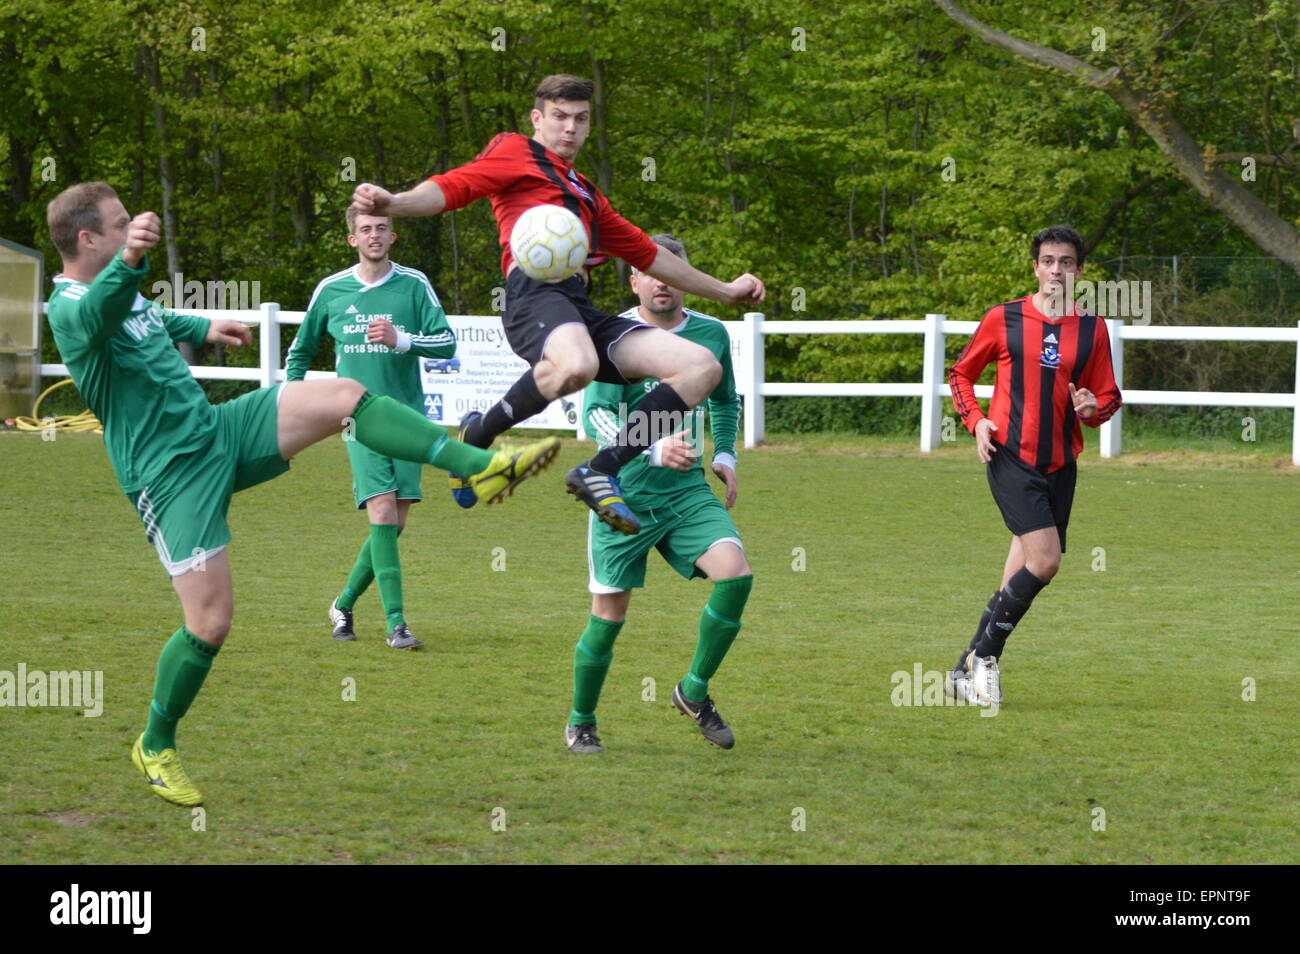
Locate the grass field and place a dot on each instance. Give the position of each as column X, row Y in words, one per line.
column 1124, row 686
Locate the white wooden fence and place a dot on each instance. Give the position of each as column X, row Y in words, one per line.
column 747, row 339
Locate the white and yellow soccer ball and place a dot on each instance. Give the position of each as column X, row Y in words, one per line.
column 549, row 243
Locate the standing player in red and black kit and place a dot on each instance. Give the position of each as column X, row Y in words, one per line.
column 1054, row 370
column 554, row 327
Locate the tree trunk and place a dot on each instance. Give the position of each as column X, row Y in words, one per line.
column 1197, row 166
column 167, row 181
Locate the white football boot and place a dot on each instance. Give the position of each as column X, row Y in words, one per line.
column 986, row 681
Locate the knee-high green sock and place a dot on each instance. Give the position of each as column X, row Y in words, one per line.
column 359, row 580
column 388, row 570
column 591, row 659
column 719, row 624
column 390, row 428
column 182, row 667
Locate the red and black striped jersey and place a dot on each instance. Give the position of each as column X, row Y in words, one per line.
column 1038, row 359
column 519, row 173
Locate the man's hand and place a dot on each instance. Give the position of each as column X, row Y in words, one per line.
column 425, row 199
column 1085, row 402
column 677, row 452
column 381, row 331
column 141, row 235
column 371, row 199
column 227, row 331
column 745, row 290
column 728, row 477
column 983, row 439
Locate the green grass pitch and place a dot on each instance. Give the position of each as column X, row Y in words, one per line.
column 1124, row 685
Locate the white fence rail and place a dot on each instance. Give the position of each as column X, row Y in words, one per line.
column 747, row 341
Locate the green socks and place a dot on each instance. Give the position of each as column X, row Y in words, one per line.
column 182, row 667
column 591, row 659
column 390, row 428
column 719, row 624
column 459, row 458
column 359, row 580
column 377, row 559
column 388, row 571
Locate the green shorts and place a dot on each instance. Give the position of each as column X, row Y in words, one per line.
column 373, row 474
column 682, row 532
column 184, row 508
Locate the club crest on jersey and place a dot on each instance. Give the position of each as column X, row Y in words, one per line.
column 1051, row 356
column 573, row 177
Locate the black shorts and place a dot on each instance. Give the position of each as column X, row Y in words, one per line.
column 1028, row 498
column 534, row 309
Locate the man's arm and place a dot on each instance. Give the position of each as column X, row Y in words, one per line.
column 600, row 412
column 724, row 415
column 187, row 328
column 671, row 270
column 982, row 348
column 1098, row 398
column 434, row 337
column 110, row 295
column 307, row 341
column 425, row 199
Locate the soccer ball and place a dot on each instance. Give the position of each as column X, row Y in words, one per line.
column 549, row 243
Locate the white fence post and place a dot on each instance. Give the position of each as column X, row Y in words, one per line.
column 1295, row 420
column 931, row 381
column 269, row 343
column 1111, row 435
column 754, row 373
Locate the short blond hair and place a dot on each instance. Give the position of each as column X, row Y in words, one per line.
column 351, row 216
column 74, row 209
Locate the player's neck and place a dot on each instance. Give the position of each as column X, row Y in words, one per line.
column 1051, row 306
column 567, row 162
column 666, row 322
column 370, row 272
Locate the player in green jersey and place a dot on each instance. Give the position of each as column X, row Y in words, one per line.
column 180, row 459
column 384, row 318
column 680, row 517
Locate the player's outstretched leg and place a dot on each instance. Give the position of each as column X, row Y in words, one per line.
column 719, row 624
column 591, row 659
column 310, row 411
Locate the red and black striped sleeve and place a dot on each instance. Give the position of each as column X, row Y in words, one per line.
column 498, row 166
column 983, row 348
column 1099, row 377
column 620, row 237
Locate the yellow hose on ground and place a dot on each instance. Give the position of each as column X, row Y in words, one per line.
column 85, row 421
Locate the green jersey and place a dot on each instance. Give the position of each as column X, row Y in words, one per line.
column 608, row 407
column 343, row 305
column 120, row 349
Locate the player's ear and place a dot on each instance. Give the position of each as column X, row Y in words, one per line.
column 536, row 116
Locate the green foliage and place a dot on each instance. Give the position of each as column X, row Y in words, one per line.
column 869, row 161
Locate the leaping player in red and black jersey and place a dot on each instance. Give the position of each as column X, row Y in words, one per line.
column 554, row 327
column 1054, row 370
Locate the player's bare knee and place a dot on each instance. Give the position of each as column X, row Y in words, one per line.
column 577, row 374
column 212, row 627
column 1044, row 567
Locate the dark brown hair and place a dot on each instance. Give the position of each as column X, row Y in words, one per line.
column 563, row 86
column 1062, row 235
